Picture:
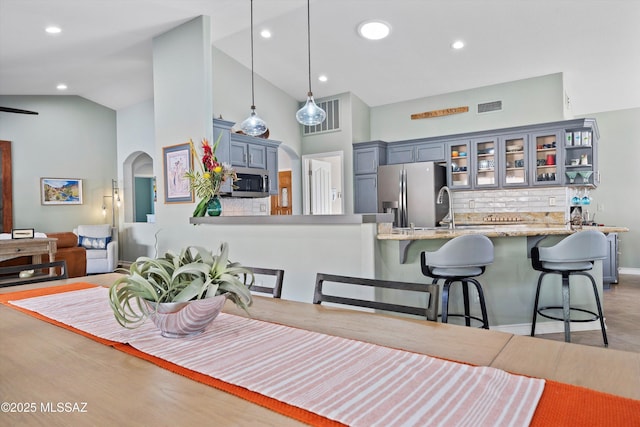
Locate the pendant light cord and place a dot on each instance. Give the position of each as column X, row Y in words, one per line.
column 308, row 44
column 253, row 104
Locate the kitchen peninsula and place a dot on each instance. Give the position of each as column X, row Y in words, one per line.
column 510, row 282
column 366, row 246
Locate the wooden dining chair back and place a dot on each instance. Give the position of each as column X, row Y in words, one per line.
column 430, row 312
column 268, row 281
column 42, row 272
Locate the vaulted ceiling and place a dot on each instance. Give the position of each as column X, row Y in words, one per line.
column 104, row 50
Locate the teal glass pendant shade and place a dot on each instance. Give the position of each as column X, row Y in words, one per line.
column 253, row 125
column 310, row 114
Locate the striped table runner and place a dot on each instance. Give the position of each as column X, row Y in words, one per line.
column 356, row 383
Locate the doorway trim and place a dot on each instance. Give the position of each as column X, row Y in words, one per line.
column 7, row 187
column 306, row 194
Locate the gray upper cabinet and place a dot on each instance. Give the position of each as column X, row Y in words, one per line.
column 221, row 134
column 401, row 154
column 546, row 154
column 415, row 152
column 514, row 160
column 484, row 156
column 430, row 152
column 580, row 150
column 239, row 155
column 272, row 167
column 548, row 157
column 246, row 151
column 459, row 164
column 248, row 155
column 365, row 161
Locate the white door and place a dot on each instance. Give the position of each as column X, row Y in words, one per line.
column 320, row 187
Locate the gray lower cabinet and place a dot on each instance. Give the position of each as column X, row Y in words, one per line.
column 610, row 264
column 366, row 193
column 367, row 156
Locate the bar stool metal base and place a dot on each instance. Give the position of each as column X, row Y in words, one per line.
column 465, row 295
column 566, row 307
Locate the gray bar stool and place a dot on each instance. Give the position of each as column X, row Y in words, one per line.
column 460, row 260
column 574, row 255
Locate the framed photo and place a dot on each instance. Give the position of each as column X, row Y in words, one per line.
column 177, row 162
column 60, row 191
column 22, row 233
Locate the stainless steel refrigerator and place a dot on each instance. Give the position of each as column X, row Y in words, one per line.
column 409, row 191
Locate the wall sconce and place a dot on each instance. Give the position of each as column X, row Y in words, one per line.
column 115, row 199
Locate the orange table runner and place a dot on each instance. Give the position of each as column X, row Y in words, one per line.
column 560, row 404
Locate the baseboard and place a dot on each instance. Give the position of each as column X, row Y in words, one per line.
column 632, row 271
column 547, row 327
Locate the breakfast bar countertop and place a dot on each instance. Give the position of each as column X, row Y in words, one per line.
column 372, row 218
column 386, row 232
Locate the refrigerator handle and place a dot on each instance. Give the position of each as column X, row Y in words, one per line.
column 404, row 217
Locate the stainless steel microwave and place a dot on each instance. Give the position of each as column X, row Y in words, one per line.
column 251, row 183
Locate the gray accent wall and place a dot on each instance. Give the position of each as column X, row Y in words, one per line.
column 617, row 198
column 71, row 137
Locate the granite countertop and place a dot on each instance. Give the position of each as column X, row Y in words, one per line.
column 293, row 219
column 385, row 232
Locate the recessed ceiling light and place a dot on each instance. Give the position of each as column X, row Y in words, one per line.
column 53, row 30
column 323, row 78
column 374, row 30
column 265, row 34
column 61, row 86
column 458, row 44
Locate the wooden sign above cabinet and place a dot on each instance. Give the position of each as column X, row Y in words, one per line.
column 439, row 113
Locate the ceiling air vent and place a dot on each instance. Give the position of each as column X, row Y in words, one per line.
column 489, row 107
column 331, row 123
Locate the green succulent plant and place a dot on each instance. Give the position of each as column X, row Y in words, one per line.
column 195, row 273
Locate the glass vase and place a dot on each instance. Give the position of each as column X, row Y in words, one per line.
column 214, row 206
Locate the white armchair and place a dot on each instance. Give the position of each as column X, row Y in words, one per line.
column 101, row 242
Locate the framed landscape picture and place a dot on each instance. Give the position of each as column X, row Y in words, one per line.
column 177, row 161
column 61, row 191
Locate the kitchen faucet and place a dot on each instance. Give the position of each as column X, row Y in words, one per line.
column 449, row 218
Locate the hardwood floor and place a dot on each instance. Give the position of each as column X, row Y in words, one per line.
column 622, row 317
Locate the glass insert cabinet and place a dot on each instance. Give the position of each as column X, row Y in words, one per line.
column 514, row 156
column 548, row 156
column 459, row 161
column 485, row 153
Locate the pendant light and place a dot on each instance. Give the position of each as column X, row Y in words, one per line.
column 253, row 125
column 310, row 114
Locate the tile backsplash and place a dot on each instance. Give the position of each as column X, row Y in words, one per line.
column 236, row 206
column 554, row 200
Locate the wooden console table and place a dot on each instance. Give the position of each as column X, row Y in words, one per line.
column 35, row 248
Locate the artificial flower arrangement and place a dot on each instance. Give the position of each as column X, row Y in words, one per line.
column 206, row 183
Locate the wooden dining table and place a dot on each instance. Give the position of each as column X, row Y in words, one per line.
column 44, row 366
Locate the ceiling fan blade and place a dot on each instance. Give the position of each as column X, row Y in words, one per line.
column 16, row 110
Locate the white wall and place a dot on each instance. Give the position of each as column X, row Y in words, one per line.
column 528, row 101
